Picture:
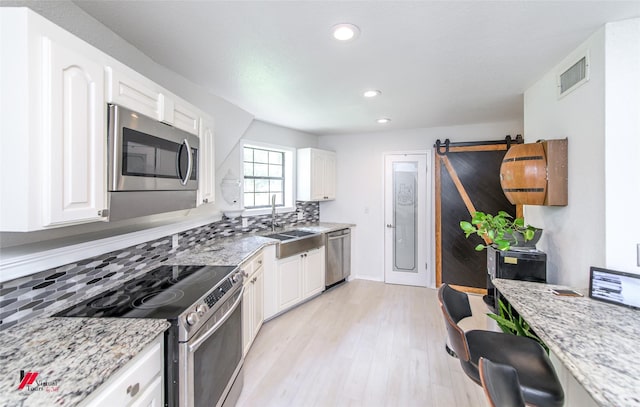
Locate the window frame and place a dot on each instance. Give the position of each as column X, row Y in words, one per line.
column 289, row 184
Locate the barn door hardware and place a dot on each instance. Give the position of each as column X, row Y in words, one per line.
column 442, row 149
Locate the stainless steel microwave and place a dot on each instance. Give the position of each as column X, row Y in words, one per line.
column 152, row 166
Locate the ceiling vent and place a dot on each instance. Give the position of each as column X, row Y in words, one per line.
column 574, row 76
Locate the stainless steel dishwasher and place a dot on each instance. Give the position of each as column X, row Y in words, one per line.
column 338, row 256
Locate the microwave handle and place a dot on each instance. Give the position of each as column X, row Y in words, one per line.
column 189, row 163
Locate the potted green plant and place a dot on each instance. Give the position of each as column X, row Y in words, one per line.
column 501, row 231
column 512, row 323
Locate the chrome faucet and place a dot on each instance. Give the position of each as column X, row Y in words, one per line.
column 273, row 213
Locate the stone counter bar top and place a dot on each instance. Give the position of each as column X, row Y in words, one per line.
column 599, row 343
column 74, row 356
column 234, row 250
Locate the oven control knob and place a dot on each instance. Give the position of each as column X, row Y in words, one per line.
column 201, row 309
column 192, row 318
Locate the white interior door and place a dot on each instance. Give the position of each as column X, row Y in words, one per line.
column 406, row 216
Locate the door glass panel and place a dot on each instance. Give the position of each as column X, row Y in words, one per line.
column 405, row 216
column 144, row 155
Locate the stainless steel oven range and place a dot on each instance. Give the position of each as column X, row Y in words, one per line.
column 203, row 346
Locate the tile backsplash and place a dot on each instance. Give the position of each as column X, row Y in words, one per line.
column 49, row 291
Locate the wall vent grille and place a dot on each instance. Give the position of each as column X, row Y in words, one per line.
column 573, row 77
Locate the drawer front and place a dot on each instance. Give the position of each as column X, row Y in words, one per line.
column 252, row 266
column 131, row 381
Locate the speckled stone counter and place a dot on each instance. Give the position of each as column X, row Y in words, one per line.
column 599, row 343
column 76, row 355
column 234, row 250
column 73, row 355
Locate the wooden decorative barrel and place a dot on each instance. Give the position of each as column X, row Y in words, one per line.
column 523, row 174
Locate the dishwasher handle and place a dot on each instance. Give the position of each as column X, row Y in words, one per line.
column 338, row 234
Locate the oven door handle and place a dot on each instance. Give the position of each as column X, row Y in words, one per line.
column 189, row 163
column 196, row 343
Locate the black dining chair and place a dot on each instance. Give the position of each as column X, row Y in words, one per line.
column 538, row 380
column 500, row 384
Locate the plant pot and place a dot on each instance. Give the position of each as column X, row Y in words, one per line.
column 520, row 242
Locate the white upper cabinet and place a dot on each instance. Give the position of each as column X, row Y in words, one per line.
column 316, row 175
column 54, row 91
column 132, row 90
column 74, row 189
column 206, row 165
column 127, row 88
column 180, row 114
column 52, row 125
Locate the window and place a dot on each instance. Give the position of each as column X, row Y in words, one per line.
column 264, row 176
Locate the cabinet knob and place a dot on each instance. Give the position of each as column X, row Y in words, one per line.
column 133, row 390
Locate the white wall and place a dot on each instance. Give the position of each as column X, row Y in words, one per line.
column 360, row 183
column 267, row 133
column 573, row 235
column 622, row 143
column 600, row 119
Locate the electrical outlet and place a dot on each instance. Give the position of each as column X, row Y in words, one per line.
column 174, row 241
column 245, row 222
column 300, row 215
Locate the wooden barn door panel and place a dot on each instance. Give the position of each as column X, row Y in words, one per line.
column 476, row 171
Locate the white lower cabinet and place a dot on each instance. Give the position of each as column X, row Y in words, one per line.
column 138, row 383
column 252, row 300
column 289, row 281
column 299, row 277
column 152, row 396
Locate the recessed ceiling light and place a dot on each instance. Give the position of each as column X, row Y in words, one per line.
column 383, row 120
column 345, row 32
column 371, row 93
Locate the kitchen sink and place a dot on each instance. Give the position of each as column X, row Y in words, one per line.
column 280, row 236
column 296, row 241
column 299, row 233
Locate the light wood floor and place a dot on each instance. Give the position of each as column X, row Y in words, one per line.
column 360, row 344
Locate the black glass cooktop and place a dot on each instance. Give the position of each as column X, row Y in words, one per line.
column 165, row 292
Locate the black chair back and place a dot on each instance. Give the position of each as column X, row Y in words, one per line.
column 455, row 306
column 500, row 384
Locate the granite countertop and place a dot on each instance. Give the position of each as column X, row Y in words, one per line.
column 596, row 341
column 76, row 355
column 73, row 355
column 232, row 251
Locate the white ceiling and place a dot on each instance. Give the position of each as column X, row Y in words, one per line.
column 437, row 63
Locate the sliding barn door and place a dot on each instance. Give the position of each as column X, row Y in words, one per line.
column 467, row 179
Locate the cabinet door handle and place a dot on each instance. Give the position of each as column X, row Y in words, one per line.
column 390, row 226
column 133, row 390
